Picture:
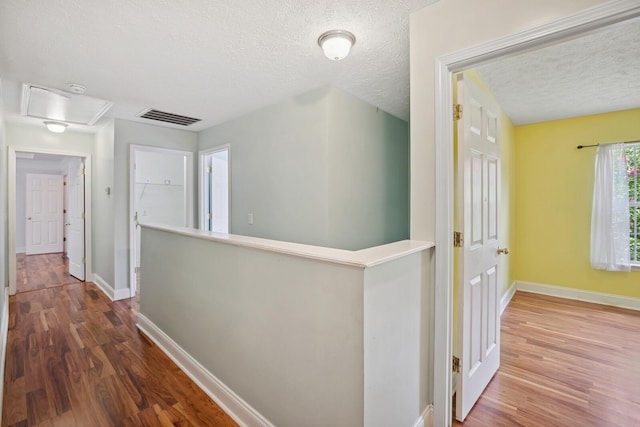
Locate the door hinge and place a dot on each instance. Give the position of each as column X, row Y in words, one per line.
column 458, row 239
column 82, row 215
column 83, row 260
column 64, row 183
column 136, row 270
column 456, row 364
column 457, row 111
column 209, row 215
column 83, row 171
column 209, row 169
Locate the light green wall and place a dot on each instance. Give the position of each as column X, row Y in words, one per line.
column 103, row 204
column 368, row 170
column 278, row 169
column 125, row 134
column 4, row 247
column 322, row 168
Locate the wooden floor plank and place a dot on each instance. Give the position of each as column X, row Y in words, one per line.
column 563, row 363
column 74, row 358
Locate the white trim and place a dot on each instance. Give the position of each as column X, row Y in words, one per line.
column 4, row 331
column 188, row 189
column 21, row 249
column 201, row 178
column 11, row 200
column 570, row 26
column 506, row 298
column 107, row 289
column 579, row 295
column 426, row 418
column 231, row 403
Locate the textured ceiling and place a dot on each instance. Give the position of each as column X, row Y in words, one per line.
column 208, row 59
column 597, row 73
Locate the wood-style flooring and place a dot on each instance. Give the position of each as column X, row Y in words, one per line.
column 42, row 271
column 74, row 358
column 564, row 363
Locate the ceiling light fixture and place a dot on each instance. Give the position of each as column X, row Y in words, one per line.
column 56, row 127
column 336, row 44
column 76, row 88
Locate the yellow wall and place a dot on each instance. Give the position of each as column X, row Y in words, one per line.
column 553, row 201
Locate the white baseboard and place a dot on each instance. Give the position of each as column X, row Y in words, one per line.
column 230, row 402
column 580, row 295
column 114, row 295
column 21, row 249
column 4, row 331
column 506, row 298
column 426, row 419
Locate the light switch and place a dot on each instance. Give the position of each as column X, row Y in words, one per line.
column 250, row 218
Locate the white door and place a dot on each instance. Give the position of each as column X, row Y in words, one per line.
column 215, row 191
column 44, row 222
column 75, row 219
column 479, row 201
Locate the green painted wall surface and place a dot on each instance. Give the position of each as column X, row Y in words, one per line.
column 322, row 168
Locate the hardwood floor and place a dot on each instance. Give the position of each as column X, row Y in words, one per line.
column 564, row 363
column 42, row 271
column 74, row 358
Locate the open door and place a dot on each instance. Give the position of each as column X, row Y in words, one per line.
column 75, row 219
column 479, row 205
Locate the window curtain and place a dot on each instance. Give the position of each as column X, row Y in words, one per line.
column 610, row 210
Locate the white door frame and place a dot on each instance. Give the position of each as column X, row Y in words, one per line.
column 11, row 200
column 556, row 31
column 132, row 194
column 202, row 176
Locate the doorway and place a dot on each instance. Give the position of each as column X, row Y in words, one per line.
column 48, row 221
column 446, row 65
column 161, row 188
column 215, row 189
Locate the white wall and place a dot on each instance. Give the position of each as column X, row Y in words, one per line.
column 432, row 37
column 4, row 246
column 103, row 204
column 23, row 167
column 125, row 134
column 322, row 168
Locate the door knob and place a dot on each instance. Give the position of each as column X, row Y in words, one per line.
column 29, row 218
column 68, row 223
column 503, row 251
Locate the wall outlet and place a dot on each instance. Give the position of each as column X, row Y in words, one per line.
column 250, row 219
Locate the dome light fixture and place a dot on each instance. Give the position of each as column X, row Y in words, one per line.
column 56, row 127
column 336, row 44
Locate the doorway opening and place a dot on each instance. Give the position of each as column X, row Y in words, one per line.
column 49, row 222
column 161, row 188
column 214, row 193
column 446, row 65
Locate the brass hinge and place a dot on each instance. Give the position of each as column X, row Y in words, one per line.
column 457, row 111
column 65, row 183
column 83, row 171
column 458, row 239
column 456, row 364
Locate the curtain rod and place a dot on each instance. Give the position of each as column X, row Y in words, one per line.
column 580, row 147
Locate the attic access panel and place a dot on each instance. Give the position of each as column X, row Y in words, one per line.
column 52, row 104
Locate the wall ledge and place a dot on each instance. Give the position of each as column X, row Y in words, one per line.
column 363, row 258
column 579, row 294
column 231, row 403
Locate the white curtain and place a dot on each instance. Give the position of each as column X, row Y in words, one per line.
column 610, row 211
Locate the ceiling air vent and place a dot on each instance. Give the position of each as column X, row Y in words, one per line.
column 162, row 116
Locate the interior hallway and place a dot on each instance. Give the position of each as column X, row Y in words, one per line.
column 563, row 363
column 74, row 358
column 42, row 271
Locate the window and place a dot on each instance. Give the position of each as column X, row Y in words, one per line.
column 632, row 155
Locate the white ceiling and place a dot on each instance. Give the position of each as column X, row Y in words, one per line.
column 597, row 73
column 207, row 59
column 219, row 60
